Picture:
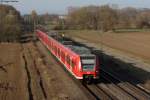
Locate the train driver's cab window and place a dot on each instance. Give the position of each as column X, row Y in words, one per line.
column 88, row 62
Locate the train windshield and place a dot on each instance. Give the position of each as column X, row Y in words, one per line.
column 88, row 62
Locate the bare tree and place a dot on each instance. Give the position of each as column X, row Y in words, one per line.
column 107, row 18
column 93, row 17
column 143, row 20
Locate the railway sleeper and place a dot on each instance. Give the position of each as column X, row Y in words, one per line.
column 139, row 94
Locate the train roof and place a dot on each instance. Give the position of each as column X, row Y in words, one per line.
column 78, row 49
column 82, row 51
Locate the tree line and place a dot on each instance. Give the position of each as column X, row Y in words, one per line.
column 107, row 18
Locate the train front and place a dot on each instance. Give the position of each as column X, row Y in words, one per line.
column 90, row 67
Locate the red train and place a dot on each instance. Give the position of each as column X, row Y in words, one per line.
column 77, row 59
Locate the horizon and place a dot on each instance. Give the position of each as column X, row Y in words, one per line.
column 26, row 6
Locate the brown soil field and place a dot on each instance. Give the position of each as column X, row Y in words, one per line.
column 137, row 44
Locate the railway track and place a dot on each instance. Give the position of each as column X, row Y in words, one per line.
column 112, row 89
column 100, row 92
column 115, row 75
column 132, row 90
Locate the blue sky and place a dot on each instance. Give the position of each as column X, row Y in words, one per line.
column 60, row 6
